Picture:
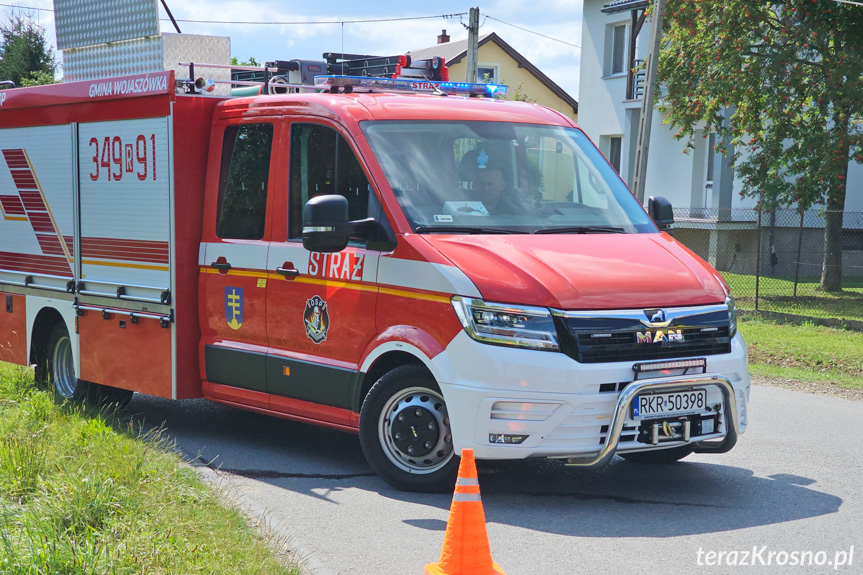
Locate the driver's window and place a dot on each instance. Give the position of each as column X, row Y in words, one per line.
column 322, row 163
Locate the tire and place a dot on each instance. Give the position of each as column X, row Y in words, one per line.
column 58, row 374
column 407, row 402
column 661, row 456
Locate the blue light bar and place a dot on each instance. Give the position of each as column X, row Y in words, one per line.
column 410, row 85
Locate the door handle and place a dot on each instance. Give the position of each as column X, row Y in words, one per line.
column 221, row 266
column 288, row 272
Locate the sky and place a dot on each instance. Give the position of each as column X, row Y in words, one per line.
column 558, row 19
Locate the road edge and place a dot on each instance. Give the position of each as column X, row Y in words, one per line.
column 266, row 521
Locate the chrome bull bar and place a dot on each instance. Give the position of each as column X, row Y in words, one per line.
column 663, row 385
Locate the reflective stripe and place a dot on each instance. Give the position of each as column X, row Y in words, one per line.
column 466, row 497
column 467, row 481
column 124, row 265
column 407, row 294
column 441, row 278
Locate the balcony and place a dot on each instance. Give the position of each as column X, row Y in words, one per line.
column 635, row 80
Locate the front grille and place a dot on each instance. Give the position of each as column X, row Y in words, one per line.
column 606, row 339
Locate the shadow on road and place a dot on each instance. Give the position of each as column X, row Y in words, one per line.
column 621, row 500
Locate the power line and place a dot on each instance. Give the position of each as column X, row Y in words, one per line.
column 537, row 33
column 301, row 23
column 343, row 22
column 283, row 23
column 849, row 2
column 26, row 7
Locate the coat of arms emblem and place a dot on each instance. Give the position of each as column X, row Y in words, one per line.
column 316, row 319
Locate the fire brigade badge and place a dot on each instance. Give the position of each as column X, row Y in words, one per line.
column 317, row 319
column 234, row 307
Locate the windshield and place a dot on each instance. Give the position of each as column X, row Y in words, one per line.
column 497, row 177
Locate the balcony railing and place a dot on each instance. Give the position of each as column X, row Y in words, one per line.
column 635, row 80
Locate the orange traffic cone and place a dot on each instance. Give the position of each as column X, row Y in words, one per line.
column 465, row 545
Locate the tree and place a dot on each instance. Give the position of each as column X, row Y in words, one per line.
column 26, row 57
column 251, row 62
column 780, row 82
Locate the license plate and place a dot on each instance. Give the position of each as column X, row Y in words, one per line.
column 669, row 404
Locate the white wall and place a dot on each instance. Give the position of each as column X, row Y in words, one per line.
column 670, row 171
column 605, row 117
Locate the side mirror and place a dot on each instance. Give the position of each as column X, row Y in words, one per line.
column 660, row 211
column 326, row 227
column 323, row 220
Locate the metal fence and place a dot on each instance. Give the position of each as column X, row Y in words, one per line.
column 773, row 260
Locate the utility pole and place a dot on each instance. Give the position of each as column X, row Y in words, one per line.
column 472, row 44
column 646, row 119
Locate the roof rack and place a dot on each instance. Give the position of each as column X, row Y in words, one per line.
column 402, row 66
column 339, row 72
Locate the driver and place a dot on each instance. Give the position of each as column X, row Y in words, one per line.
column 491, row 191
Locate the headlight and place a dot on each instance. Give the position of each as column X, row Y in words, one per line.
column 512, row 325
column 732, row 315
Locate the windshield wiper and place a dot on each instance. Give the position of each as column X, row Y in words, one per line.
column 462, row 230
column 581, row 230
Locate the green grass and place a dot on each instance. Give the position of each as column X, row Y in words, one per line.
column 778, row 295
column 804, row 352
column 83, row 493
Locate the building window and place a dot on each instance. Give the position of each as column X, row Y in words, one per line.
column 487, row 73
column 614, row 145
column 852, row 240
column 615, row 50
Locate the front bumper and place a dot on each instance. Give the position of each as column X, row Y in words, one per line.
column 565, row 409
column 661, row 385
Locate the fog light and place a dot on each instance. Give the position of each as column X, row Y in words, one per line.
column 504, row 438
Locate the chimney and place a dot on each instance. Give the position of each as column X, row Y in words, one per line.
column 443, row 38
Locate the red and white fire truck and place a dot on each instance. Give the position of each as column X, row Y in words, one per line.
column 433, row 271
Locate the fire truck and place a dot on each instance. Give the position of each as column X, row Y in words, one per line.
column 402, row 258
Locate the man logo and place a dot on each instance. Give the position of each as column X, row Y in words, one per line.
column 234, row 307
column 660, row 336
column 655, row 315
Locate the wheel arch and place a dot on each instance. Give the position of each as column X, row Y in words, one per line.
column 385, row 362
column 44, row 322
column 395, row 346
column 42, row 315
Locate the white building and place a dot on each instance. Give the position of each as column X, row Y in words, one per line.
column 615, row 38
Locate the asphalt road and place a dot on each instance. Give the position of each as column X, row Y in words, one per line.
column 793, row 484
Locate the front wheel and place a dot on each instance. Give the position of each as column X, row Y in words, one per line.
column 405, row 431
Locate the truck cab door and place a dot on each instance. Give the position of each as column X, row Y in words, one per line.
column 321, row 307
column 234, row 262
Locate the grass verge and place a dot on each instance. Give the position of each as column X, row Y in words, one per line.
column 778, row 295
column 83, row 493
column 805, row 352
